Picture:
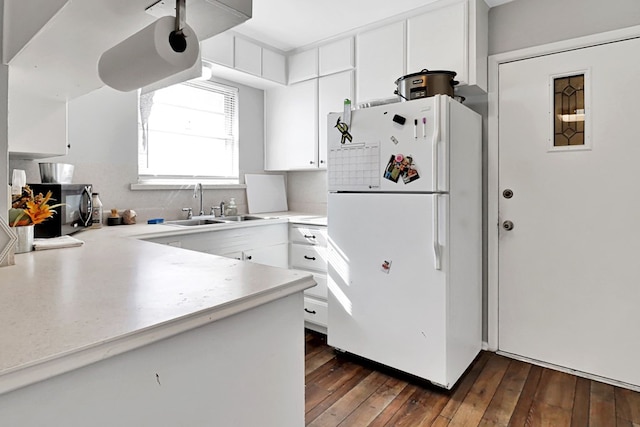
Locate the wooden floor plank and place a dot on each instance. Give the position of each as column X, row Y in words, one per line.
column 396, row 404
column 506, row 397
column 465, row 384
column 521, row 411
column 481, row 393
column 314, row 343
column 322, row 399
column 627, row 405
column 371, row 408
column 350, row 401
column 556, row 389
column 602, row 411
column 324, row 370
column 495, row 391
column 545, row 415
column 338, row 380
column 553, row 401
column 422, row 408
column 319, row 359
column 580, row 413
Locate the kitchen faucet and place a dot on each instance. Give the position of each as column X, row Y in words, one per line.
column 197, row 192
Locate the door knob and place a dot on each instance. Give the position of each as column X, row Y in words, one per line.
column 507, row 194
column 507, row 225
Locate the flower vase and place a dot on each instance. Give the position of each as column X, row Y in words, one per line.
column 25, row 238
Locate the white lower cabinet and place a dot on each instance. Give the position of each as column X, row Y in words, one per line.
column 275, row 255
column 264, row 244
column 308, row 251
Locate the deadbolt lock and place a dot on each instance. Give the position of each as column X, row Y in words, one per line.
column 507, row 225
column 507, row 194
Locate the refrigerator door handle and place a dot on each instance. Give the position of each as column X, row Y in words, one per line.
column 436, row 234
column 435, row 141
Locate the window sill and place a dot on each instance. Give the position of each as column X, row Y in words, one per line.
column 156, row 186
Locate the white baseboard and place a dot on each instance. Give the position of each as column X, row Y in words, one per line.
column 571, row 371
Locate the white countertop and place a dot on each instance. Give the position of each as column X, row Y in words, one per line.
column 65, row 308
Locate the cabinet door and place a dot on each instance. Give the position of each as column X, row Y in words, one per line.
column 218, row 49
column 332, row 91
column 319, row 291
column 292, row 126
column 303, row 66
column 315, row 311
column 335, row 57
column 276, row 256
column 308, row 234
column 248, row 57
column 437, row 40
column 379, row 62
column 37, row 126
column 308, row 257
column 274, row 66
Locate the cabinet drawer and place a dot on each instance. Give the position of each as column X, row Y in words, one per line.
column 308, row 234
column 308, row 257
column 315, row 311
column 319, row 290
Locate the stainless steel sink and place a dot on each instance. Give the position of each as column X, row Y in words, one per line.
column 208, row 220
column 236, row 218
column 193, row 222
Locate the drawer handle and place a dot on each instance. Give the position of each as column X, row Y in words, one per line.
column 310, row 311
column 306, row 236
column 312, row 258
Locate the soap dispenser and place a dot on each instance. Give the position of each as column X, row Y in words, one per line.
column 232, row 209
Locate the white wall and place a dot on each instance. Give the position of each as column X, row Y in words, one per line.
column 307, row 192
column 526, row 23
column 103, row 137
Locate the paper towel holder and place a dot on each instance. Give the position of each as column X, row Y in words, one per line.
column 154, row 53
column 177, row 39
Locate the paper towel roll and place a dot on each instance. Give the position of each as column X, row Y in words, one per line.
column 147, row 57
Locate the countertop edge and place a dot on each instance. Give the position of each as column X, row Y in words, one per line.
column 59, row 364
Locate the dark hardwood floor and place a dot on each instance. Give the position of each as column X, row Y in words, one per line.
column 342, row 390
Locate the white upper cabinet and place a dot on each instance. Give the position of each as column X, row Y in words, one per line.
column 36, row 126
column 335, row 57
column 274, row 66
column 332, row 91
column 437, row 41
column 291, row 121
column 218, row 49
column 454, row 38
column 248, row 57
column 303, row 66
column 238, row 54
column 379, row 61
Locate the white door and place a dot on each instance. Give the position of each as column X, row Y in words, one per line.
column 569, row 269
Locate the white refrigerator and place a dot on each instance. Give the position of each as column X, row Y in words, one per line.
column 404, row 227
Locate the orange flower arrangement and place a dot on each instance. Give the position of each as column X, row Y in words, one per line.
column 28, row 209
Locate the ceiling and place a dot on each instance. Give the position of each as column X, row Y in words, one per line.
column 290, row 24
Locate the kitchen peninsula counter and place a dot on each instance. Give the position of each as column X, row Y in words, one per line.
column 68, row 310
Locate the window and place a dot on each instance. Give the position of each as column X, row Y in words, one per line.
column 188, row 132
column 569, row 110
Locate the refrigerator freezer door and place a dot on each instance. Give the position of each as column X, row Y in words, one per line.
column 387, row 302
column 397, row 147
